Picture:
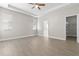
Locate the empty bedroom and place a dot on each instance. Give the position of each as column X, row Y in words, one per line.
column 39, row 29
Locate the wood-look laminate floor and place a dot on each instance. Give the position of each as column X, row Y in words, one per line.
column 38, row 46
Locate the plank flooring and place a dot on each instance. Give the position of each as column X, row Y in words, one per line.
column 38, row 46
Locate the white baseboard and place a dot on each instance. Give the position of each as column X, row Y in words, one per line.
column 77, row 41
column 53, row 37
column 15, row 37
column 41, row 35
column 57, row 38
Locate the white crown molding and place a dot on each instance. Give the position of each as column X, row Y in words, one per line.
column 55, row 8
column 14, row 8
column 10, row 7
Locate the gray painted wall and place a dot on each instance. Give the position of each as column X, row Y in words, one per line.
column 14, row 24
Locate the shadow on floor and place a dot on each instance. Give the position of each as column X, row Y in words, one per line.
column 71, row 38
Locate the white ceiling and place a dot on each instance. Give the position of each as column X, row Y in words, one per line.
column 27, row 8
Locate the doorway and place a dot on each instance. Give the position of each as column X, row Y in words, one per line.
column 71, row 28
column 45, row 32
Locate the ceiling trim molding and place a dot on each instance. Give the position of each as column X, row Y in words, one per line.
column 14, row 8
column 25, row 12
column 52, row 9
column 10, row 7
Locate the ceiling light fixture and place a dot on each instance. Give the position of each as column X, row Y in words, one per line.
column 37, row 5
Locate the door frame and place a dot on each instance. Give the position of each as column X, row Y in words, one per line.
column 77, row 25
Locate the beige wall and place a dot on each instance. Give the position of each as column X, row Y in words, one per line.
column 57, row 20
column 14, row 24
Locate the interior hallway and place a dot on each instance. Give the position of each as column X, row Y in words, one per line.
column 38, row 46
